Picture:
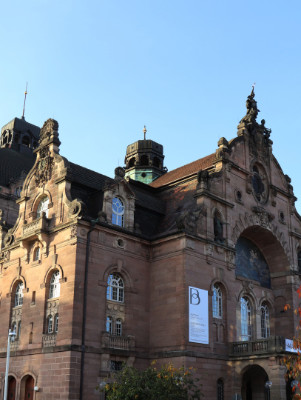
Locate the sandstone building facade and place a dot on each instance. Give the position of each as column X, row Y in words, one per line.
column 97, row 272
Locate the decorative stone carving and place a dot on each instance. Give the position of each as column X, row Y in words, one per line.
column 102, row 216
column 262, row 217
column 49, row 132
column 76, row 208
column 73, row 231
column 223, row 151
column 119, row 173
column 203, row 179
column 188, row 219
column 44, row 167
column 230, row 259
column 9, row 238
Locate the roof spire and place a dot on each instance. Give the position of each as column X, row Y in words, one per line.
column 144, row 132
column 25, row 94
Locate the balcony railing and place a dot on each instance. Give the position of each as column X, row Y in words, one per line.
column 118, row 342
column 40, row 224
column 49, row 340
column 273, row 344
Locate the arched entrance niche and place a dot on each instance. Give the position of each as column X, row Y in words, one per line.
column 11, row 392
column 270, row 247
column 261, row 257
column 252, row 385
column 27, row 388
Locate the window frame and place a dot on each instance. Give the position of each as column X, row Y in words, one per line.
column 43, row 207
column 245, row 319
column 217, row 302
column 118, row 327
column 265, row 321
column 220, row 389
column 109, row 325
column 54, row 285
column 49, row 324
column 118, row 209
column 115, row 288
column 18, row 301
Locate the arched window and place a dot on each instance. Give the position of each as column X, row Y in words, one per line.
column 19, row 294
column 50, row 324
column 117, row 212
column 56, row 323
column 220, row 389
column 118, row 327
column 36, row 254
column 265, row 320
column 26, row 141
column 144, row 160
column 43, row 207
column 109, row 325
column 132, row 162
column 115, row 289
column 217, row 302
column 54, row 288
column 246, row 322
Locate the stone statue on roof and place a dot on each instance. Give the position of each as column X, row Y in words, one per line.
column 252, row 110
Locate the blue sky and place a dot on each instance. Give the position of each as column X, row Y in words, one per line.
column 104, row 69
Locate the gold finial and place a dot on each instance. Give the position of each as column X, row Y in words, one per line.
column 144, row 131
column 25, row 94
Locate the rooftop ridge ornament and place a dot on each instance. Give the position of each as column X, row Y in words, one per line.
column 144, row 132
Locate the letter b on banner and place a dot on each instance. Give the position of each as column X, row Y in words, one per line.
column 194, row 297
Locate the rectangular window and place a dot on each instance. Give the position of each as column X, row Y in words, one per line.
column 116, row 365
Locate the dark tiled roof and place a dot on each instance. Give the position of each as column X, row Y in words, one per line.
column 87, row 177
column 12, row 164
column 183, row 172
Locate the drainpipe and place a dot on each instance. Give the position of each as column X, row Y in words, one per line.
column 83, row 347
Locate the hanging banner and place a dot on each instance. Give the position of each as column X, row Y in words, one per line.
column 198, row 315
column 289, row 346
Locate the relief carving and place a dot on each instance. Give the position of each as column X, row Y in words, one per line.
column 188, row 220
column 44, row 167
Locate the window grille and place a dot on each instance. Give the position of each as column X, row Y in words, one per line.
column 116, row 365
column 118, row 327
column 50, row 324
column 217, row 302
column 265, row 321
column 220, row 389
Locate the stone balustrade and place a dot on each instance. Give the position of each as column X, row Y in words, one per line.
column 49, row 340
column 118, row 342
column 38, row 225
column 273, row 344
